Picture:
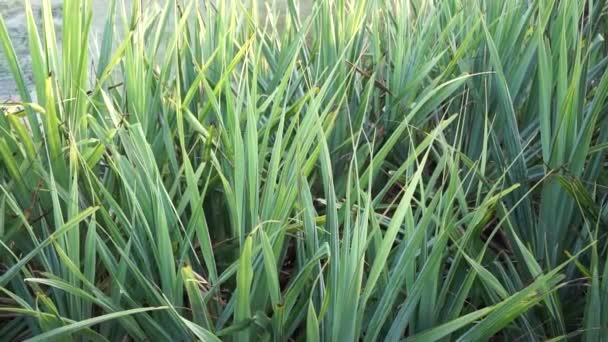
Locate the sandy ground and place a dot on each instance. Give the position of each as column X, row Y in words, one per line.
column 13, row 13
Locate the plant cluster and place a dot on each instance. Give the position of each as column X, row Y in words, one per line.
column 427, row 170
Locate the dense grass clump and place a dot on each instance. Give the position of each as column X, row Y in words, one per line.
column 369, row 170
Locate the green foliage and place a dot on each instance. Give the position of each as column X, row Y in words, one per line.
column 362, row 170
